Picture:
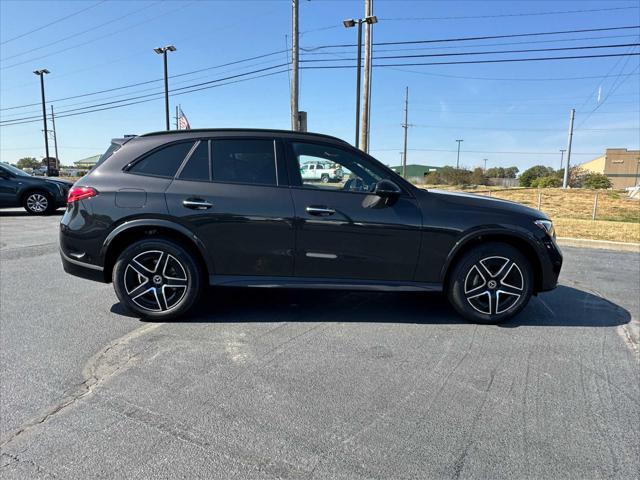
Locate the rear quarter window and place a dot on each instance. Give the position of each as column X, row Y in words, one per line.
column 163, row 162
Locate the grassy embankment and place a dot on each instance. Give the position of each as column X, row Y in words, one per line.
column 617, row 216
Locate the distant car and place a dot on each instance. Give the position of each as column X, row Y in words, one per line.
column 164, row 214
column 321, row 172
column 38, row 196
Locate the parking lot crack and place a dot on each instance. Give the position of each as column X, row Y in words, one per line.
column 105, row 364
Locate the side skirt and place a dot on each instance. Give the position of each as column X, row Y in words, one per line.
column 321, row 283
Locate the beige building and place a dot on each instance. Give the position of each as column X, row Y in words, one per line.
column 622, row 166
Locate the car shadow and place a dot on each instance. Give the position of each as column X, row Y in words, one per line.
column 563, row 307
column 22, row 213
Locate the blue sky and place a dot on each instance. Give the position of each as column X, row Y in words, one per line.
column 509, row 113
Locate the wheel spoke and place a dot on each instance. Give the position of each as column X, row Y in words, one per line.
column 472, row 288
column 505, row 298
column 482, row 302
column 516, row 282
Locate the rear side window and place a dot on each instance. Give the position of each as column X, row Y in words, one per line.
column 244, row 161
column 197, row 167
column 163, row 162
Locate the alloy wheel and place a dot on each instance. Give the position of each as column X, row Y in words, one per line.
column 37, row 202
column 494, row 285
column 155, row 281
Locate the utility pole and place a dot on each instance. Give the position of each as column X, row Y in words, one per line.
column 562, row 150
column 458, row 159
column 565, row 182
column 295, row 62
column 55, row 138
column 405, row 125
column 41, row 73
column 177, row 115
column 163, row 51
column 485, row 163
column 368, row 54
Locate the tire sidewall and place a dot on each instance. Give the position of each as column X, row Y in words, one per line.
column 459, row 274
column 194, row 275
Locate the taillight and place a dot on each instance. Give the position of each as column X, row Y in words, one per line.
column 80, row 193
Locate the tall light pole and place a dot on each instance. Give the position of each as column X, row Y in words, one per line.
column 163, row 51
column 350, row 23
column 485, row 163
column 295, row 64
column 562, row 150
column 458, row 159
column 41, row 73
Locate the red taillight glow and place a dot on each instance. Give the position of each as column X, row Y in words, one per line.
column 80, row 193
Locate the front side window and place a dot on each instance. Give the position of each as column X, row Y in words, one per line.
column 332, row 168
column 244, row 161
column 163, row 162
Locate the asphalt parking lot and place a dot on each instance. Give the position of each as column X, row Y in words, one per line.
column 285, row 384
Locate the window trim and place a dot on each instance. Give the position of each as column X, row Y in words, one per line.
column 188, row 157
column 294, row 179
column 127, row 168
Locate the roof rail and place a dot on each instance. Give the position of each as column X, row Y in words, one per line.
column 249, row 130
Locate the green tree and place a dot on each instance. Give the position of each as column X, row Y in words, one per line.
column 455, row 176
column 511, row 172
column 495, row 172
column 478, row 177
column 28, row 162
column 534, row 172
column 596, row 180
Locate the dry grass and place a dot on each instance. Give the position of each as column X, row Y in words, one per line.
column 617, row 216
column 598, row 230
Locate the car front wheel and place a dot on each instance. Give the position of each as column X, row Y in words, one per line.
column 157, row 279
column 491, row 283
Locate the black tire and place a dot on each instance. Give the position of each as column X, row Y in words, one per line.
column 324, row 178
column 168, row 273
column 491, row 283
column 38, row 202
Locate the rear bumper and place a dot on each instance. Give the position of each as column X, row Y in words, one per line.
column 81, row 269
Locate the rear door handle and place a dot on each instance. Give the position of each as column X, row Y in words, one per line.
column 197, row 204
column 320, row 211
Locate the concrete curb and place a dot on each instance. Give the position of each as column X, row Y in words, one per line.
column 602, row 244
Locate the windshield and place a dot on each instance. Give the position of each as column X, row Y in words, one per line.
column 14, row 170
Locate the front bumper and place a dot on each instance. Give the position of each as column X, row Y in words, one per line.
column 551, row 265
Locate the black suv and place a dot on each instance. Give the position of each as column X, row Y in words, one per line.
column 164, row 214
column 38, row 196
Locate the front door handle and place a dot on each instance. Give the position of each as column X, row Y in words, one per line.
column 197, row 204
column 320, row 211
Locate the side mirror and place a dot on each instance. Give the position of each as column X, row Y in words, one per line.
column 386, row 189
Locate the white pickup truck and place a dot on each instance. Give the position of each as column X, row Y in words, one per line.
column 321, row 172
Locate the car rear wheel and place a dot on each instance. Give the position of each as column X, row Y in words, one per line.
column 324, row 178
column 491, row 283
column 157, row 279
column 38, row 203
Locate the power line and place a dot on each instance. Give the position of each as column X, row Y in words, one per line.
column 482, row 151
column 175, row 92
column 164, row 14
column 464, row 127
column 488, row 52
column 502, row 15
column 122, row 87
column 509, row 60
column 42, row 27
column 484, row 37
column 76, row 34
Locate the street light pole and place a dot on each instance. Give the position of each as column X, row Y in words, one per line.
column 458, row 159
column 41, row 73
column 349, row 23
column 163, row 51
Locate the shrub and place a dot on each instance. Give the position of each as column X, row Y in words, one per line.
column 433, row 178
column 478, row 177
column 596, row 180
column 533, row 173
column 550, row 181
column 455, row 176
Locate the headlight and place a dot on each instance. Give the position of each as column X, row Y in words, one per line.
column 547, row 226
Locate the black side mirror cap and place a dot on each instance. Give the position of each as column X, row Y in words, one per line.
column 386, row 189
